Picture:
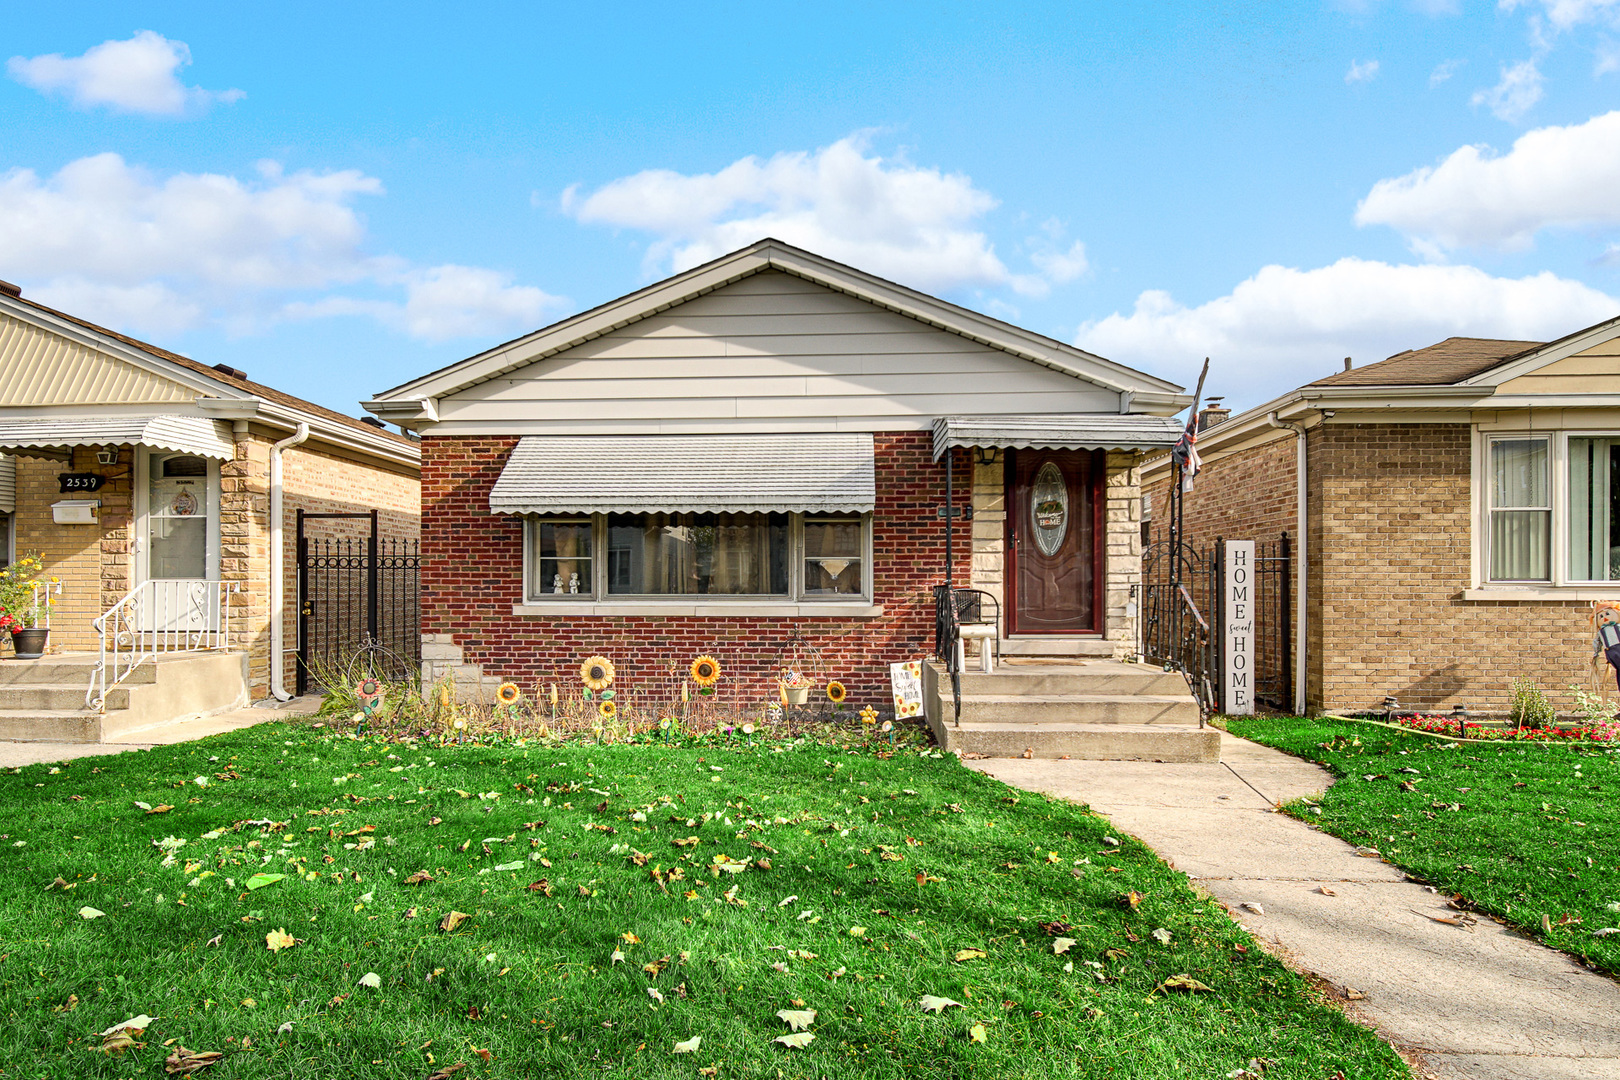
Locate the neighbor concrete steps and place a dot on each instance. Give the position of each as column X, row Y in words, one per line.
column 1096, row 709
column 43, row 700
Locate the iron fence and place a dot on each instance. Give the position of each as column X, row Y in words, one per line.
column 357, row 595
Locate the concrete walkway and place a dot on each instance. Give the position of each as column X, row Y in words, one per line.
column 1463, row 1004
column 13, row 754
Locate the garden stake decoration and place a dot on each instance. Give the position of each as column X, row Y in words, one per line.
column 705, row 673
column 888, row 728
column 508, row 697
column 836, row 692
column 1605, row 643
column 596, row 673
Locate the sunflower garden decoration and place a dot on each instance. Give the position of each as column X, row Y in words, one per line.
column 597, row 675
column 608, row 709
column 507, row 698
column 705, row 673
column 836, row 692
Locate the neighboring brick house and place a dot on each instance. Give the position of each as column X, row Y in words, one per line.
column 1462, row 511
column 173, row 459
column 758, row 447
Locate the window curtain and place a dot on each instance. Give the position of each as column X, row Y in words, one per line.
column 1521, row 510
column 1591, row 509
column 698, row 554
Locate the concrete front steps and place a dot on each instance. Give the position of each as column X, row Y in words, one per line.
column 43, row 700
column 1093, row 709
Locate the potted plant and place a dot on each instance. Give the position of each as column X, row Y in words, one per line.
column 25, row 600
column 796, row 687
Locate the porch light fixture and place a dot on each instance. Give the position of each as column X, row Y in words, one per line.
column 107, row 455
column 986, row 455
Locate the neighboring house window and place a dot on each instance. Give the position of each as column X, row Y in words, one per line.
column 1521, row 510
column 5, row 540
column 661, row 556
column 1594, row 508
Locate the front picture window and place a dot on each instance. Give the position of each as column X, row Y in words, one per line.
column 697, row 554
column 1594, row 508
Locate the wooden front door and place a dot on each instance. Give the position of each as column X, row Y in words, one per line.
column 1054, row 564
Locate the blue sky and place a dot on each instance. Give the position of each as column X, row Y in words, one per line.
column 337, row 198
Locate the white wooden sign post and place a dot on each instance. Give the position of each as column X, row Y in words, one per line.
column 1237, row 631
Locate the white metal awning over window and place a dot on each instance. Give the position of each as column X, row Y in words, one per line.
column 53, row 436
column 593, row 474
column 1084, row 431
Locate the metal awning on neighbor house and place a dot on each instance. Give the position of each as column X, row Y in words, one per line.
column 1082, row 431
column 594, row 474
column 54, row 436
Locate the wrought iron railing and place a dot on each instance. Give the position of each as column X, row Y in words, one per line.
column 43, row 591
column 1178, row 587
column 180, row 615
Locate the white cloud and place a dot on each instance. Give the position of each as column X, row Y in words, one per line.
column 140, row 75
column 1515, row 93
column 1565, row 14
column 1553, row 176
column 1284, row 327
column 1444, row 71
column 1361, row 71
column 913, row 224
column 111, row 241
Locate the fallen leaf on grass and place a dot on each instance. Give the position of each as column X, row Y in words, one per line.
column 371, row 980
column 977, row 1033
column 161, row 808
column 857, row 931
column 1185, row 983
column 1062, row 945
column 1131, row 899
column 970, row 954
column 189, row 1061
column 654, row 993
column 279, row 939
column 797, row 1040
column 421, row 877
column 259, row 881
column 90, row 913
column 690, row 1046
column 796, row 1019
column 931, row 1003
column 136, row 1024
column 448, row 1071
column 617, row 957
column 449, row 923
column 1162, row 936
column 59, row 883
column 1606, row 931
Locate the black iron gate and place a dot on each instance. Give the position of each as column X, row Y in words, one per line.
column 358, row 595
column 1179, row 613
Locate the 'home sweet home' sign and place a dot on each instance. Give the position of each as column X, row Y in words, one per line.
column 1237, row 629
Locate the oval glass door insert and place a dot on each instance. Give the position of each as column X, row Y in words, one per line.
column 1049, row 506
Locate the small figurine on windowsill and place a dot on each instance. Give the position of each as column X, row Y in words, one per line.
column 1605, row 642
column 573, row 583
column 556, row 584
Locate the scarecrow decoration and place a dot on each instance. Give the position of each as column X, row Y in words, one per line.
column 1605, row 643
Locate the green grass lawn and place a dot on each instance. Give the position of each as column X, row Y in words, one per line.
column 1521, row 831
column 553, row 854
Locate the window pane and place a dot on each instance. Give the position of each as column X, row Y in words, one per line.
column 1519, row 545
column 697, row 554
column 562, row 558
column 1519, row 473
column 1594, row 509
column 832, row 557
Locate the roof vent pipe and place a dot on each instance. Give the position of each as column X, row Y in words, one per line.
column 1347, row 364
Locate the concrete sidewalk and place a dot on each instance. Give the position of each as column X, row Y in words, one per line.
column 1479, row 1004
column 13, row 754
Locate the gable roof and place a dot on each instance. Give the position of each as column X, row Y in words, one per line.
column 1450, row 361
column 215, row 379
column 414, row 398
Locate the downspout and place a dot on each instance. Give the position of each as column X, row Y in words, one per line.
column 278, row 564
column 1303, row 555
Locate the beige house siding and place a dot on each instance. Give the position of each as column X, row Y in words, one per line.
column 40, row 368
column 1594, row 371
column 770, row 352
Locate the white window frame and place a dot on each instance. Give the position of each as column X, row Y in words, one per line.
column 142, row 504
column 598, row 601
column 1559, row 585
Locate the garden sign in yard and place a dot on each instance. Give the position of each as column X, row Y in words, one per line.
column 906, row 680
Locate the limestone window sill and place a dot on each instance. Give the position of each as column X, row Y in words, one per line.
column 1540, row 593
column 707, row 609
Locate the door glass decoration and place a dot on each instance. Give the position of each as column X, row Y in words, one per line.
column 177, row 518
column 1049, row 506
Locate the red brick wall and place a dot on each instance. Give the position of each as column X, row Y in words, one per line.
column 472, row 575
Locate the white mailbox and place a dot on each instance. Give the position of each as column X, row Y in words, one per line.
column 75, row 511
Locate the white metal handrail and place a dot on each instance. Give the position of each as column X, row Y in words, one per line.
column 43, row 590
column 179, row 615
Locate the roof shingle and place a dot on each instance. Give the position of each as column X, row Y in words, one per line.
column 1451, row 361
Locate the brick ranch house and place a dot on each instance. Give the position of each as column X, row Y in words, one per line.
column 133, row 470
column 759, row 447
column 1461, row 511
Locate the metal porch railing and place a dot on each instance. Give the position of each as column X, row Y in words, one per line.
column 158, row 617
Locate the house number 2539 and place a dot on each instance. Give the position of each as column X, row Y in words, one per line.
column 72, row 481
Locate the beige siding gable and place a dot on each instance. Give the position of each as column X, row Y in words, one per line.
column 770, row 350
column 1596, row 370
column 38, row 367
